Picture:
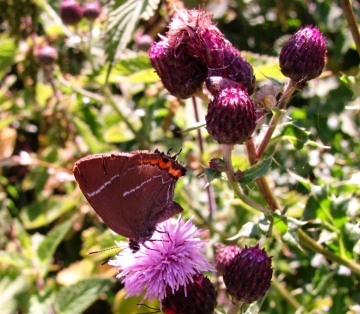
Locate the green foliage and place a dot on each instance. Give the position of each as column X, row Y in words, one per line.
column 103, row 96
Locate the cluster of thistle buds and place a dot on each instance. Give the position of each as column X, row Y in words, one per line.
column 246, row 271
column 71, row 12
column 194, row 52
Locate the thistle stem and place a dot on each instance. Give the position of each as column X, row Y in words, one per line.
column 262, row 182
column 284, row 100
column 351, row 19
column 235, row 307
column 227, row 151
column 284, row 293
column 311, row 244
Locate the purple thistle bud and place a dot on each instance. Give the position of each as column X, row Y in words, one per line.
column 247, row 277
column 47, row 56
column 70, row 12
column 215, row 84
column 181, row 75
column 224, row 60
column 217, row 164
column 224, row 254
column 200, row 297
column 303, row 57
column 143, row 42
column 92, row 10
column 231, row 116
column 186, row 28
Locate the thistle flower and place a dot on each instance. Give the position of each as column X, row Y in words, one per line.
column 70, row 12
column 92, row 10
column 303, row 57
column 231, row 116
column 199, row 297
column 186, row 30
column 247, row 277
column 224, row 254
column 47, row 56
column 168, row 263
column 182, row 75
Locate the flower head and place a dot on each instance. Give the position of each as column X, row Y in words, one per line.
column 303, row 56
column 182, row 75
column 92, row 10
column 231, row 116
column 47, row 56
column 169, row 261
column 70, row 12
column 224, row 254
column 200, row 297
column 248, row 275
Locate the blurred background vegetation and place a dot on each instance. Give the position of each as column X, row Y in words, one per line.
column 101, row 95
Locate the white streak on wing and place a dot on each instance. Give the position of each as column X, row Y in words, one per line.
column 91, row 194
column 143, row 183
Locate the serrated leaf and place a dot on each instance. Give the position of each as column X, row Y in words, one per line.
column 248, row 230
column 289, row 131
column 122, row 22
column 280, row 223
column 16, row 259
column 291, row 235
column 212, row 175
column 305, row 182
column 47, row 248
column 78, row 297
column 257, row 171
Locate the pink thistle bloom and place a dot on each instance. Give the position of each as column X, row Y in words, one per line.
column 170, row 259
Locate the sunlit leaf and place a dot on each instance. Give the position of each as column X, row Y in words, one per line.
column 78, row 297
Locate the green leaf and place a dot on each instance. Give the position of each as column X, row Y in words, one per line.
column 40, row 303
column 289, row 131
column 16, row 259
column 91, row 140
column 47, row 248
column 45, row 211
column 257, row 171
column 8, row 51
column 291, row 235
column 13, row 288
column 248, row 230
column 78, row 297
column 280, row 222
column 212, row 175
column 122, row 22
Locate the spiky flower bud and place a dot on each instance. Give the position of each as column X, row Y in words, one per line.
column 92, row 10
column 47, row 56
column 247, row 277
column 70, row 12
column 231, row 116
column 303, row 57
column 200, row 297
column 224, row 254
column 181, row 75
column 224, row 60
column 217, row 164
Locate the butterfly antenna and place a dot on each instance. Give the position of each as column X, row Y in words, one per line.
column 103, row 250
column 149, row 307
